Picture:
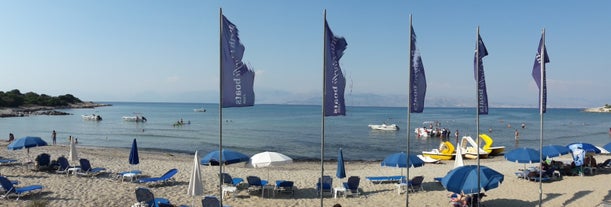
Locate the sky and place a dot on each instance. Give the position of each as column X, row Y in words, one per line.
column 168, row 51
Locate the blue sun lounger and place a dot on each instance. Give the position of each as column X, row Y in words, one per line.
column 385, row 179
column 168, row 176
column 11, row 189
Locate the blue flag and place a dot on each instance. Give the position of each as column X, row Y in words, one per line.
column 537, row 75
column 236, row 79
column 417, row 78
column 335, row 82
column 482, row 95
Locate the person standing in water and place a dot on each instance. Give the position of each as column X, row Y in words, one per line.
column 54, row 136
column 517, row 135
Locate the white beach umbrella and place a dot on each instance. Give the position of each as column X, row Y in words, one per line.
column 73, row 154
column 458, row 160
column 196, row 187
column 268, row 159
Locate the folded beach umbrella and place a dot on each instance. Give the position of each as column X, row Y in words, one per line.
column 133, row 154
column 229, row 157
column 196, row 187
column 73, row 154
column 550, row 151
column 464, row 179
column 341, row 169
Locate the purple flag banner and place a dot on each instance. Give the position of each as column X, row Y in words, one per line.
column 537, row 72
column 237, row 79
column 417, row 78
column 335, row 82
column 482, row 95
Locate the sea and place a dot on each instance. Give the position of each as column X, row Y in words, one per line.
column 296, row 130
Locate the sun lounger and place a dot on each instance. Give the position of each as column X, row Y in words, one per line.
column 87, row 170
column 146, row 196
column 8, row 162
column 385, row 179
column 9, row 188
column 168, row 176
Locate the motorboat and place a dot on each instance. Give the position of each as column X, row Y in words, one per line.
column 92, row 117
column 202, row 109
column 445, row 152
column 488, row 146
column 136, row 118
column 386, row 127
column 470, row 148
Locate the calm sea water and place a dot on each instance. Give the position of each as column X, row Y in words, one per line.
column 296, row 130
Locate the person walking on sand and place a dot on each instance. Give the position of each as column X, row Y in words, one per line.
column 54, row 136
column 456, row 135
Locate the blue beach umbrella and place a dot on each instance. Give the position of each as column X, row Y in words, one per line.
column 607, row 147
column 523, row 155
column 584, row 146
column 27, row 142
column 550, row 151
column 400, row 160
column 133, row 154
column 229, row 157
column 464, row 179
column 341, row 170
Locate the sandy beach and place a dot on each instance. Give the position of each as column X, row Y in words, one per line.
column 106, row 190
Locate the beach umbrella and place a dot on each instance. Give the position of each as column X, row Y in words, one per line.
column 458, row 162
column 587, row 147
column 268, row 159
column 133, row 154
column 400, row 160
column 27, row 142
column 341, row 169
column 229, row 157
column 550, row 151
column 523, row 155
column 73, row 154
column 607, row 147
column 464, row 179
column 196, row 188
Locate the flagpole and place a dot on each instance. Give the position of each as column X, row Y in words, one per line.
column 477, row 109
column 322, row 131
column 409, row 101
column 221, row 104
column 542, row 90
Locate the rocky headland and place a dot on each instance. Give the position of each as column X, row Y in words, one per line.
column 44, row 110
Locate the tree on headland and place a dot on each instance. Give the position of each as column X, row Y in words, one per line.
column 15, row 98
column 607, row 106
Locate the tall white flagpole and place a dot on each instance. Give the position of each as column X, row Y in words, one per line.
column 324, row 87
column 221, row 104
column 477, row 58
column 541, row 93
column 409, row 101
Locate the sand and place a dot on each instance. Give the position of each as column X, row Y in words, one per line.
column 105, row 190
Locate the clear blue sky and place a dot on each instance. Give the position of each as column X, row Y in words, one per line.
column 167, row 51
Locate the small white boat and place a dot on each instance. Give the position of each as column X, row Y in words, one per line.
column 92, row 117
column 202, row 109
column 136, row 118
column 386, row 127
